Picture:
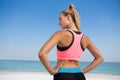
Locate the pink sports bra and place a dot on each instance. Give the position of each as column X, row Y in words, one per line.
column 74, row 50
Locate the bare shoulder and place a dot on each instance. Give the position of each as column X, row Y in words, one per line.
column 57, row 35
column 86, row 41
column 61, row 33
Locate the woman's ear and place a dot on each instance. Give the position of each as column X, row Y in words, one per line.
column 69, row 17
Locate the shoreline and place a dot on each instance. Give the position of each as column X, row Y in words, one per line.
column 13, row 75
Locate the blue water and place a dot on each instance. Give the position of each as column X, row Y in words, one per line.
column 36, row 66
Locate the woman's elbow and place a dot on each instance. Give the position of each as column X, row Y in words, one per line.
column 40, row 54
column 101, row 59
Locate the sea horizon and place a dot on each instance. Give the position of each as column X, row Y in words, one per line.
column 36, row 66
column 51, row 60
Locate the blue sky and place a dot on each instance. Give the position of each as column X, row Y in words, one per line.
column 25, row 25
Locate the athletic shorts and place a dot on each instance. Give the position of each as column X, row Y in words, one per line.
column 69, row 74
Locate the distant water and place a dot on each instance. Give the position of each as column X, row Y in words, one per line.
column 36, row 66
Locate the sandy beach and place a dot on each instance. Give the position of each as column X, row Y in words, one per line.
column 4, row 75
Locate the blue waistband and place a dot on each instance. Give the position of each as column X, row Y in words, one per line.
column 69, row 70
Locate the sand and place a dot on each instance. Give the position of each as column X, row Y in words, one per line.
column 5, row 75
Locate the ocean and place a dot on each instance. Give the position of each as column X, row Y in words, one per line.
column 36, row 66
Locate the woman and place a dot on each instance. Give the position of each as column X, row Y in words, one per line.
column 71, row 43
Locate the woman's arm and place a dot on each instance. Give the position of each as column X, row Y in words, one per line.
column 87, row 43
column 45, row 50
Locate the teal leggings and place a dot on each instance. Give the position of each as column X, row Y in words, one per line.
column 69, row 74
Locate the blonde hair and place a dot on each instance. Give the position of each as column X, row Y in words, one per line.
column 74, row 14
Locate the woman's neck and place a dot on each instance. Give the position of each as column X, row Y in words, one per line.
column 72, row 27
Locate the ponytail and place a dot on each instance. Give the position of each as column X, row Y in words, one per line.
column 74, row 14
